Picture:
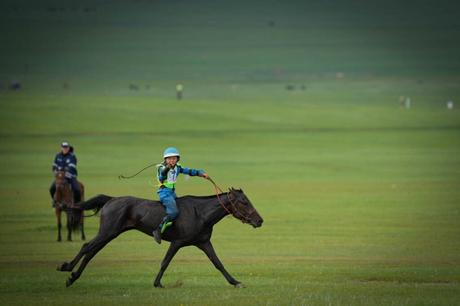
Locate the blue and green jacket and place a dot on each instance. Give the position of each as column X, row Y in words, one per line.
column 168, row 177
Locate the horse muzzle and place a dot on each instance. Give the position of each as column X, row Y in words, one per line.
column 257, row 223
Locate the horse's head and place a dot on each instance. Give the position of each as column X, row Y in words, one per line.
column 63, row 195
column 60, row 178
column 241, row 208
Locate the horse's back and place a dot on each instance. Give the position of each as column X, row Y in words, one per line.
column 133, row 211
column 127, row 212
column 130, row 202
column 145, row 214
column 141, row 205
column 135, row 201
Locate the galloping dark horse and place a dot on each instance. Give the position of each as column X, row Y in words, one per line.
column 64, row 202
column 193, row 226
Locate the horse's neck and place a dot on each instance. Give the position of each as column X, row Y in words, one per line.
column 64, row 193
column 213, row 211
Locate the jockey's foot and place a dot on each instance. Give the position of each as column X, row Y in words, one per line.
column 157, row 235
column 165, row 226
column 160, row 230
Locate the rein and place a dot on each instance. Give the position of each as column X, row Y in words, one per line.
column 67, row 206
column 244, row 219
column 60, row 195
column 217, row 188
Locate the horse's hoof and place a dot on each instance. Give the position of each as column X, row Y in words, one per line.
column 240, row 285
column 159, row 285
column 63, row 267
column 83, row 238
column 73, row 277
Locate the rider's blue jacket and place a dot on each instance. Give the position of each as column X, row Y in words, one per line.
column 168, row 177
column 67, row 163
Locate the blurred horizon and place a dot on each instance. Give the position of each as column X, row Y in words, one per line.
column 109, row 44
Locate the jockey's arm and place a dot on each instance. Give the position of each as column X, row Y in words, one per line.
column 71, row 166
column 162, row 172
column 193, row 172
column 55, row 166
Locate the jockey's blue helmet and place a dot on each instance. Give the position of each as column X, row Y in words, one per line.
column 171, row 151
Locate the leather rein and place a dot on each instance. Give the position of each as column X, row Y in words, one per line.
column 235, row 213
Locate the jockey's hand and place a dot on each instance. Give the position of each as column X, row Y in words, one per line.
column 205, row 175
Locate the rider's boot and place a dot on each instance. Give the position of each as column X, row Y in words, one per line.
column 157, row 235
column 161, row 229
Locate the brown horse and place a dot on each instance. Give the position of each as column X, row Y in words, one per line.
column 65, row 202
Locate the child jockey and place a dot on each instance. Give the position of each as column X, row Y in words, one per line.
column 167, row 173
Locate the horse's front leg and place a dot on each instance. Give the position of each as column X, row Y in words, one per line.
column 83, row 237
column 173, row 248
column 208, row 249
column 57, row 211
column 69, row 228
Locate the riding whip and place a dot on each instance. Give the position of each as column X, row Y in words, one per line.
column 121, row 176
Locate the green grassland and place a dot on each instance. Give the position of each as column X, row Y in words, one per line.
column 360, row 196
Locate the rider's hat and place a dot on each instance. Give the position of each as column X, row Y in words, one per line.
column 171, row 151
column 65, row 144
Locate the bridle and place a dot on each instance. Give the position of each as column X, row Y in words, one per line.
column 236, row 213
column 61, row 184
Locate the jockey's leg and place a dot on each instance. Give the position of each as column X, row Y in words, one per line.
column 52, row 192
column 76, row 190
column 168, row 199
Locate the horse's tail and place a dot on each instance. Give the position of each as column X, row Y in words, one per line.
column 95, row 203
column 74, row 218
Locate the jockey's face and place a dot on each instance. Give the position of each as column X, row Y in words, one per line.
column 171, row 161
column 65, row 150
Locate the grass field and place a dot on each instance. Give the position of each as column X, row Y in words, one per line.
column 360, row 197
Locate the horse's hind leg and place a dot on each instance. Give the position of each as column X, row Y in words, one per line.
column 68, row 266
column 87, row 247
column 91, row 249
